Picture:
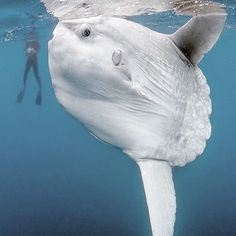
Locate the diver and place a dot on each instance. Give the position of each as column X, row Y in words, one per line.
column 32, row 47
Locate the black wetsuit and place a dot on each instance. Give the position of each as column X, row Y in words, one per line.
column 31, row 52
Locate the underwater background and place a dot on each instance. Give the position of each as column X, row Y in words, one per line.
column 57, row 179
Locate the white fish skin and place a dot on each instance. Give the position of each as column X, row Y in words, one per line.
column 148, row 97
column 135, row 89
column 160, row 196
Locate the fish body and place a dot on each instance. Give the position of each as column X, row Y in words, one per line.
column 140, row 91
column 141, row 105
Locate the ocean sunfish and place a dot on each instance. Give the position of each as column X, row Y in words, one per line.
column 141, row 91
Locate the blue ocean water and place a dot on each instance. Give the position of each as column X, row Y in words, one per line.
column 57, row 179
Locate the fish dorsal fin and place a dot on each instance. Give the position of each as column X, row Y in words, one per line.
column 199, row 35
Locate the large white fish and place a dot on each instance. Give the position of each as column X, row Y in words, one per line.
column 141, row 91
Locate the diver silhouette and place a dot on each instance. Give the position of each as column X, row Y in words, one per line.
column 32, row 47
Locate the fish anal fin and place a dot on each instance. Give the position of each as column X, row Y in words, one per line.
column 160, row 195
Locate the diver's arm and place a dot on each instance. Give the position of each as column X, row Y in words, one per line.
column 25, row 49
column 38, row 47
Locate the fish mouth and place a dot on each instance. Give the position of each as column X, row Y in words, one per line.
column 50, row 41
column 54, row 34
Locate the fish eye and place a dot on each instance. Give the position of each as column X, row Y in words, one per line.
column 85, row 30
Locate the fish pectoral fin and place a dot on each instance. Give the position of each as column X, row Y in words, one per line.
column 199, row 34
column 120, row 63
column 160, row 195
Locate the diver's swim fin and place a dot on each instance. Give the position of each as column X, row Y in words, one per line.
column 38, row 100
column 20, row 96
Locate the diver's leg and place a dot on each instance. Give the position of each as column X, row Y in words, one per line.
column 27, row 69
column 22, row 91
column 38, row 100
column 36, row 71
